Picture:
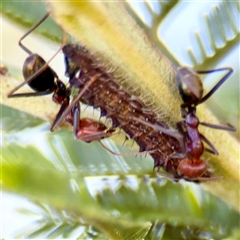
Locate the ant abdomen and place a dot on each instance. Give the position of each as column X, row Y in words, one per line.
column 42, row 82
column 192, row 170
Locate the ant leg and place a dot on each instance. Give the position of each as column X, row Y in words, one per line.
column 64, row 105
column 213, row 149
column 183, row 154
column 207, row 179
column 30, row 94
column 76, row 118
column 180, row 126
column 210, row 93
column 178, row 155
column 209, row 150
column 70, row 107
column 221, row 127
column 126, row 154
column 89, row 135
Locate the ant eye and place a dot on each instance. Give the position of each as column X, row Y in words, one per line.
column 44, row 80
column 189, row 85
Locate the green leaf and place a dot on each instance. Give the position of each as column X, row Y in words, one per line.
column 223, row 35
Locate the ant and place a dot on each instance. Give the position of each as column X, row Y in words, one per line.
column 44, row 80
column 191, row 91
column 190, row 87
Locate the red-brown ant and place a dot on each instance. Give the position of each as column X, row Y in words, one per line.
column 191, row 90
column 89, row 130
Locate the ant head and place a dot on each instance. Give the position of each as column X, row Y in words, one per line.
column 189, row 86
column 44, row 81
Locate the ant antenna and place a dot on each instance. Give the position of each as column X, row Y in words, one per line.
column 29, row 31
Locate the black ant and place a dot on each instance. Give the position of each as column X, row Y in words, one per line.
column 43, row 80
column 190, row 87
